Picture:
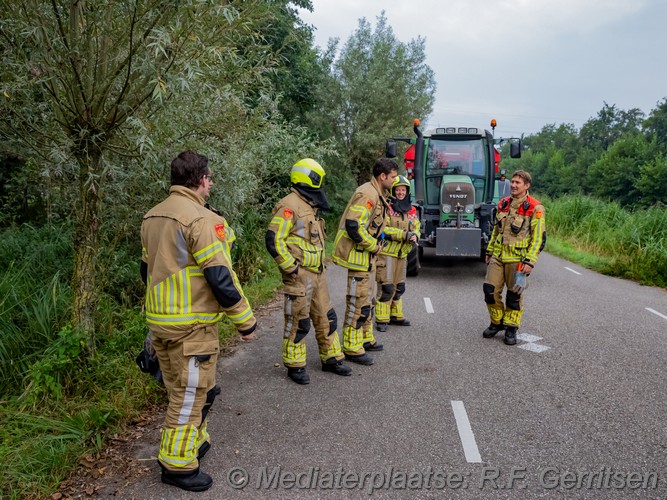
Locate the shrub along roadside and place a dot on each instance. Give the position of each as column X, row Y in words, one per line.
column 70, row 403
column 604, row 237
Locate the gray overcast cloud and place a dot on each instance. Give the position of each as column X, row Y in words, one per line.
column 525, row 63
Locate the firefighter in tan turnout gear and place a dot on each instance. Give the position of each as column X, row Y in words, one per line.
column 518, row 236
column 295, row 239
column 358, row 241
column 403, row 226
column 186, row 266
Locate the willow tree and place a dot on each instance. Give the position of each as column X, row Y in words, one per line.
column 77, row 75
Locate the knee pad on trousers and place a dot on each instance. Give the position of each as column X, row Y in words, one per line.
column 387, row 292
column 302, row 330
column 365, row 314
column 333, row 320
column 489, row 289
column 513, row 301
column 210, row 397
column 400, row 290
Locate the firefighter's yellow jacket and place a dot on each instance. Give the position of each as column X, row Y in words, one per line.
column 187, row 262
column 408, row 222
column 295, row 236
column 519, row 233
column 361, row 227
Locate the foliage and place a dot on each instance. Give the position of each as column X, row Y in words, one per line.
column 80, row 79
column 376, row 86
column 631, row 245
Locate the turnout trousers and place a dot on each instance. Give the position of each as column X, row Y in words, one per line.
column 499, row 275
column 359, row 304
column 307, row 302
column 391, row 274
column 188, row 361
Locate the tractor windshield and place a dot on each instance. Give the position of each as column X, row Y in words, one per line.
column 454, row 157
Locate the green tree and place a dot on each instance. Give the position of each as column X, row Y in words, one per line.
column 610, row 125
column 376, row 86
column 80, row 80
column 615, row 175
column 656, row 124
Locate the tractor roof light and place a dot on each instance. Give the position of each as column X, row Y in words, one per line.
column 450, row 130
column 416, row 122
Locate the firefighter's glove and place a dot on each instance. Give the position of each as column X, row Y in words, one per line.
column 147, row 359
column 520, row 279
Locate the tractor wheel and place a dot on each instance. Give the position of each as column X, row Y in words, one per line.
column 413, row 264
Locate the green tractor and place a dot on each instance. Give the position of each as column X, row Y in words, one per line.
column 454, row 173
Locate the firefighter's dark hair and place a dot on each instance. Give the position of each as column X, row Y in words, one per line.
column 384, row 166
column 523, row 175
column 188, row 169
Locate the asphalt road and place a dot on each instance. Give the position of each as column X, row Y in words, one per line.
column 576, row 410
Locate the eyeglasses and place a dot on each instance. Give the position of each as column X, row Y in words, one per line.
column 208, row 178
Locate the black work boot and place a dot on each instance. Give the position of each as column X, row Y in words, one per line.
column 492, row 330
column 381, row 327
column 334, row 366
column 373, row 347
column 195, row 480
column 364, row 359
column 510, row 335
column 400, row 322
column 299, row 375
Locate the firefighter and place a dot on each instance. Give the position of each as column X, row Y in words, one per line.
column 392, row 261
column 190, row 282
column 518, row 236
column 295, row 239
column 358, row 241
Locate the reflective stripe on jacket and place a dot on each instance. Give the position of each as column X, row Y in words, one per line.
column 295, row 235
column 181, row 240
column 519, row 231
column 360, row 227
column 403, row 223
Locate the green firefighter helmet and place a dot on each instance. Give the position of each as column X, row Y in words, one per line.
column 307, row 172
column 401, row 180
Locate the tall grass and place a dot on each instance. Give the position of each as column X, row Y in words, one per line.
column 631, row 244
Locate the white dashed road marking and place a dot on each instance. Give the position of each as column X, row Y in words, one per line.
column 465, row 433
column 530, row 343
column 527, row 337
column 656, row 312
column 429, row 306
column 573, row 271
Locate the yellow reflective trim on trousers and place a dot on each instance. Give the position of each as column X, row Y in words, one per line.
column 207, row 252
column 495, row 313
column 382, row 312
column 397, row 309
column 334, row 349
column 293, row 353
column 353, row 339
column 178, row 446
column 512, row 317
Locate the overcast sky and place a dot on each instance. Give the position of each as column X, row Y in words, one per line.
column 525, row 63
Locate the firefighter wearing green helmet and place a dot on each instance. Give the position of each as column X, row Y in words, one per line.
column 295, row 239
column 392, row 261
